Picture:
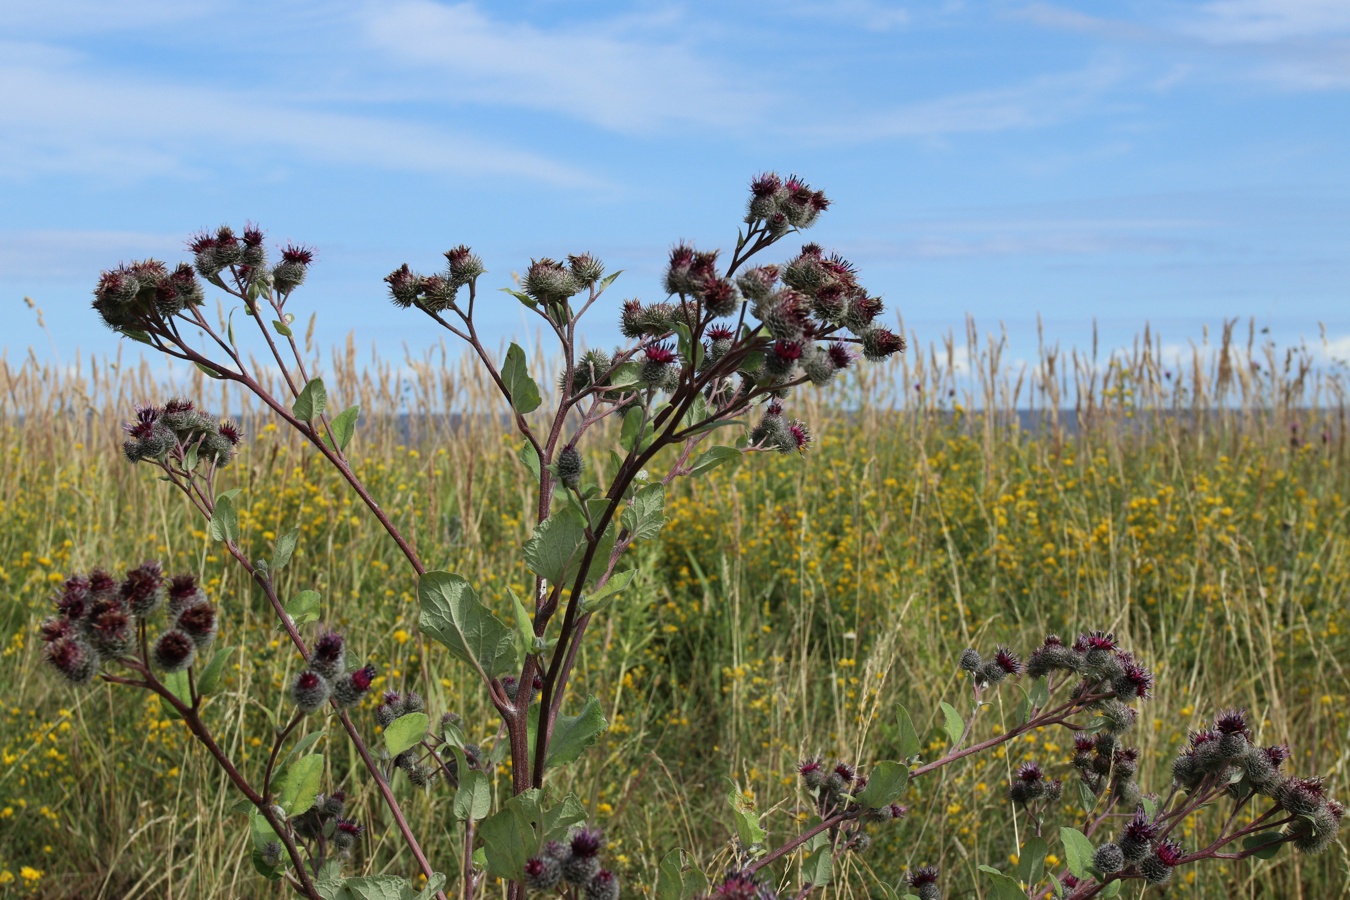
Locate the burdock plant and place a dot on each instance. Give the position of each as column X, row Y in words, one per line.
column 719, row 355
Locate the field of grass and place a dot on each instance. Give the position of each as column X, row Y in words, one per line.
column 1197, row 508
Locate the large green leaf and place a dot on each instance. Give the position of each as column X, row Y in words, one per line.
column 675, row 881
column 301, row 785
column 1078, row 851
column 285, row 547
column 555, row 549
column 303, row 608
column 603, row 596
column 712, row 458
column 311, row 403
column 746, row 818
column 224, row 520
column 1005, row 886
column 519, row 829
column 952, row 722
column 573, row 734
column 1031, row 861
column 818, row 865
column 885, row 783
column 473, row 799
column 210, row 676
column 405, row 732
column 457, row 619
column 520, row 387
column 344, row 426
column 645, row 514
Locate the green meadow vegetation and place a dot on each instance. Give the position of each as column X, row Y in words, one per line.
column 1194, row 506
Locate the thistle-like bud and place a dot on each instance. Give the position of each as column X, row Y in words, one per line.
column 184, row 592
column 879, row 343
column 591, row 369
column 389, row 710
column 76, row 660
column 1136, row 838
column 290, row 273
column 604, row 886
column 200, row 623
column 328, row 656
column 271, row 854
column 1317, row 832
column 309, row 691
column 549, row 282
column 464, row 265
column 419, row 775
column 349, row 689
column 579, row 870
column 812, row 772
column 174, row 651
column 659, row 367
column 1300, row 796
column 404, row 286
column 543, row 873
column 765, row 193
column 143, row 589
column 412, row 703
column 570, row 467
column 1109, row 858
column 971, row 661
column 586, row 269
column 924, row 882
column 112, row 632
column 346, row 834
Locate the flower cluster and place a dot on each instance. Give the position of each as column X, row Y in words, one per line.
column 327, row 677
column 575, row 863
column 181, row 432
column 98, row 617
column 139, row 296
column 435, row 293
column 324, row 823
column 244, row 258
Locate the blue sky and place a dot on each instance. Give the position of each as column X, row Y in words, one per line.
column 1130, row 162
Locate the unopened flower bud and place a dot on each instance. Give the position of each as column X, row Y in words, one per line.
column 174, row 651
column 200, row 623
column 543, row 873
column 76, row 660
column 346, row 834
column 309, row 691
column 1109, row 859
column 604, row 886
column 569, row 467
column 349, row 689
column 328, row 656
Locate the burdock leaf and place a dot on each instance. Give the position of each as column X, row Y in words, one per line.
column 573, row 734
column 405, row 732
column 312, row 401
column 302, row 784
column 455, row 617
column 520, row 387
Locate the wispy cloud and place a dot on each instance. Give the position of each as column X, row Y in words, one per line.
column 1268, row 21
column 59, row 117
column 58, row 254
column 613, row 74
column 1034, row 103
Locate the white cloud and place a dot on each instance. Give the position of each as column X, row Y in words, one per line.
column 603, row 74
column 56, row 254
column 1034, row 103
column 62, row 119
column 1266, row 21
